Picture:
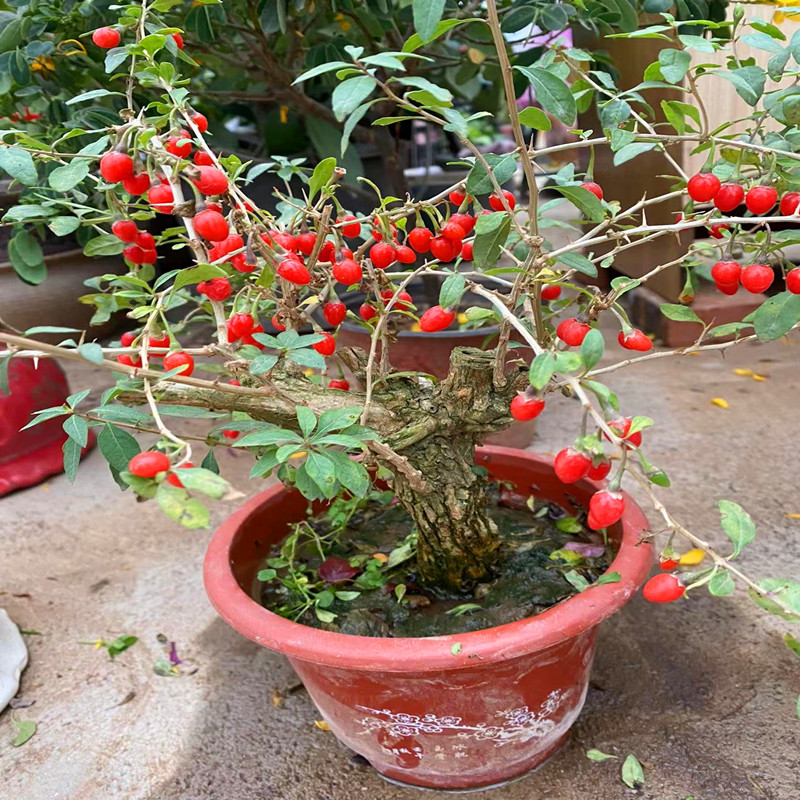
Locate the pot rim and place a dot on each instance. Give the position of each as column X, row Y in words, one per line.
column 565, row 620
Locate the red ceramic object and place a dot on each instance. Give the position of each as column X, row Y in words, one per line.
column 418, row 712
column 28, row 457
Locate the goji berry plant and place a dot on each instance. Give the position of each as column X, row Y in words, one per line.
column 321, row 417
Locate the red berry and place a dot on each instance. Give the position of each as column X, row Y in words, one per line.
column 353, row 230
column 127, row 338
column 149, row 257
column 445, row 249
column 572, row 332
column 161, row 198
column 239, row 325
column 211, row 225
column 664, row 588
column 277, row 324
column 294, row 272
column 306, row 242
column 420, row 239
column 233, row 241
column 599, row 472
column 793, row 280
column 717, row 228
column 178, row 40
column 761, row 199
column 666, row 563
column 789, row 203
column 726, row 272
column 106, row 38
column 452, row 230
column 137, row 184
column 622, row 428
column 146, row 241
column 703, row 187
column 457, row 197
column 727, row 288
column 435, row 319
column 215, row 289
column 128, row 361
column 605, row 508
column 334, row 313
column 134, row 254
column 158, row 342
column 524, row 408
column 466, row 221
column 148, row 464
column 467, row 251
column 757, row 278
column 211, row 180
column 231, row 434
column 202, row 159
column 239, row 262
column 339, row 384
column 382, row 255
column 401, row 304
column 367, row 312
column 327, row 346
column 200, row 121
column 115, row 167
column 327, row 253
column 405, row 255
column 570, row 465
column 497, row 204
column 635, row 340
column 347, row 272
column 551, row 292
column 178, row 145
column 125, row 230
column 729, row 196
column 594, row 188
column 179, row 359
column 173, row 479
column 248, row 337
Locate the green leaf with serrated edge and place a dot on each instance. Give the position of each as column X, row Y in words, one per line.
column 776, row 316
column 72, row 458
column 24, row 729
column 598, row 755
column 632, row 772
column 197, row 479
column 307, row 420
column 721, row 584
column 177, row 505
column 76, row 428
column 491, row 233
column 586, row 202
column 452, row 290
column 542, row 369
column 552, row 93
column 679, row 313
column 427, row 16
column 737, row 524
column 535, row 118
column 592, row 348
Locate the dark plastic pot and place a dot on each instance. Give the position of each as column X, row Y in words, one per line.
column 28, row 457
column 464, row 711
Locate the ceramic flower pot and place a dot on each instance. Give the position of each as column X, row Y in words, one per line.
column 464, row 711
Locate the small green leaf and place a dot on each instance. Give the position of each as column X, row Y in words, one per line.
column 205, row 481
column 177, row 505
column 350, row 94
column 307, row 420
column 586, row 202
column 18, row 163
column 674, row 64
column 478, row 181
column 24, row 728
column 103, row 245
column 721, row 584
column 592, row 348
column 266, row 574
column 777, row 316
column 608, row 577
column 491, row 233
column 452, row 290
column 76, row 428
column 62, row 179
column 542, row 369
column 632, row 772
column 535, row 118
column 92, row 351
column 748, row 81
column 456, row 648
column 737, row 524
column 792, row 643
column 322, row 174
column 578, row 262
column 679, row 313
column 598, row 755
column 72, row 458
column 427, row 16
column 552, row 93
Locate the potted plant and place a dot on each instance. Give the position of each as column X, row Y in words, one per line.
column 440, row 603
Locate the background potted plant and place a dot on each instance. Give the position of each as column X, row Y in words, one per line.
column 406, row 515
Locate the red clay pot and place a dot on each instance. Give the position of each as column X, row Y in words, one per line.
column 28, row 457
column 465, row 711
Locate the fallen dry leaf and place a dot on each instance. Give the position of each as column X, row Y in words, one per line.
column 322, row 725
column 382, row 557
column 792, row 516
column 718, row 401
column 746, row 373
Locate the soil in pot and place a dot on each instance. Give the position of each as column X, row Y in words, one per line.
column 351, row 569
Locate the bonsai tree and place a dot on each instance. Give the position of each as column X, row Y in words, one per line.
column 324, row 418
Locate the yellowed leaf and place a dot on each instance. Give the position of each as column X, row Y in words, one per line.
column 718, row 401
column 691, row 558
column 382, row 557
column 462, row 318
column 746, row 373
column 476, row 56
column 322, row 725
column 756, row 377
column 792, row 516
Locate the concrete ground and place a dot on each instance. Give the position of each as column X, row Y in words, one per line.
column 702, row 692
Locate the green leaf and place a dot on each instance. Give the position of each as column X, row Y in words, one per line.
column 679, row 313
column 91, row 95
column 45, row 414
column 177, row 505
column 787, row 591
column 263, row 363
column 18, row 163
column 777, row 316
column 115, row 58
column 209, row 462
column 592, row 348
column 792, row 643
column 568, row 362
column 491, row 233
column 76, row 428
column 121, row 644
column 608, row 577
column 335, row 419
column 25, row 254
column 194, row 275
column 542, row 369
column 721, row 584
column 577, row 580
column 118, row 447
column 350, row 94
column 535, row 118
column 632, row 772
column 62, row 179
column 321, row 69
column 674, row 64
column 456, row 648
column 598, row 755
column 264, row 438
column 737, row 524
column 676, row 113
column 307, row 358
column 748, row 81
column 578, row 262
column 351, row 474
column 478, row 180
column 24, row 728
column 586, row 202
column 104, row 245
column 322, row 471
column 92, row 351
column 322, row 174
column 414, row 42
column 63, row 226
column 552, row 93
column 427, row 15
column 452, row 290
column 205, row 481
column 307, row 420
column 630, row 151
column 72, row 458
